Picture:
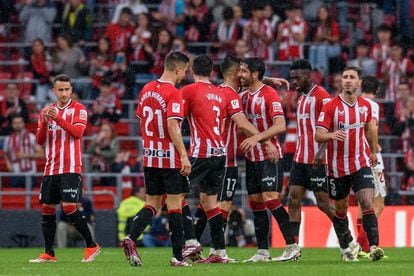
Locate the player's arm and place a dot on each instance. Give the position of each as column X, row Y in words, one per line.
column 41, row 131
column 322, row 135
column 244, row 125
column 275, row 82
column 372, row 138
column 174, row 130
column 278, row 127
column 75, row 130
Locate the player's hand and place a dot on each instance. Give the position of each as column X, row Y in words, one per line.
column 272, row 152
column 52, row 112
column 248, row 144
column 339, row 135
column 185, row 166
column 45, row 116
column 373, row 159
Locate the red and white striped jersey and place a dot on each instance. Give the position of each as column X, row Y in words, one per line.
column 233, row 106
column 349, row 156
column 261, row 107
column 256, row 44
column 289, row 48
column 375, row 116
column 20, row 142
column 204, row 107
column 395, row 70
column 62, row 138
column 307, row 113
column 158, row 102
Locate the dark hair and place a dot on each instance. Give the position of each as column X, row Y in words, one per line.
column 126, row 10
column 202, row 66
column 229, row 63
column 354, row 68
column 16, row 115
column 228, row 13
column 257, row 5
column 384, row 28
column 369, row 84
column 255, row 64
column 174, row 58
column 362, row 42
column 302, row 64
column 62, row 77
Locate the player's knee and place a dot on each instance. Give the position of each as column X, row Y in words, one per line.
column 270, row 195
column 48, row 210
column 225, row 205
column 69, row 209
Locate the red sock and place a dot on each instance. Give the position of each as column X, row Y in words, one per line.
column 362, row 238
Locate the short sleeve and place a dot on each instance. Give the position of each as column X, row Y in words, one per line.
column 234, row 104
column 175, row 107
column 375, row 112
column 274, row 105
column 369, row 113
column 325, row 117
column 185, row 93
column 138, row 113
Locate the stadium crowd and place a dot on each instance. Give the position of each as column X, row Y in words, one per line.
column 112, row 47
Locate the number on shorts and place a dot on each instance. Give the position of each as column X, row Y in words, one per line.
column 231, row 182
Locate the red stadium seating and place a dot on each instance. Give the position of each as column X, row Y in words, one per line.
column 26, row 87
column 122, row 128
column 13, row 201
column 104, row 201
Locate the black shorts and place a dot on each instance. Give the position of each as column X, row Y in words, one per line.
column 208, row 173
column 339, row 188
column 263, row 176
column 65, row 187
column 308, row 176
column 229, row 184
column 165, row 181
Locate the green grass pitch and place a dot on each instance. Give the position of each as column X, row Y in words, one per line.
column 111, row 261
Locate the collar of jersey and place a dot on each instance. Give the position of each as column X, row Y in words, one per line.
column 226, row 85
column 348, row 104
column 61, row 108
column 163, row 81
column 208, row 82
column 260, row 88
column 311, row 90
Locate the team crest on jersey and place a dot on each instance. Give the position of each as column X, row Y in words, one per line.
column 321, row 117
column 69, row 111
column 362, row 109
column 259, row 100
column 176, row 107
column 235, row 104
column 83, row 115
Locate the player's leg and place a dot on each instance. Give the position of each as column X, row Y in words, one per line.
column 363, row 186
column 49, row 197
column 227, row 191
column 192, row 248
column 71, row 194
column 260, row 216
column 318, row 183
column 176, row 186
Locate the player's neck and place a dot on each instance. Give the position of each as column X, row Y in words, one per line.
column 232, row 83
column 349, row 99
column 255, row 86
column 367, row 96
column 166, row 77
column 201, row 78
column 63, row 105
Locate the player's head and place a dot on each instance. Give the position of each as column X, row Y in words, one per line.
column 62, row 87
column 230, row 67
column 176, row 62
column 351, row 79
column 300, row 75
column 251, row 70
column 369, row 84
column 202, row 66
column 17, row 122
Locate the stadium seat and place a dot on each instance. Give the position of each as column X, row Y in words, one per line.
column 103, row 201
column 4, row 76
column 13, row 202
column 122, row 128
column 25, row 87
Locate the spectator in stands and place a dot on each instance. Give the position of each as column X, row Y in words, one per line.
column 103, row 149
column 397, row 66
column 217, row 7
column 240, row 230
column 38, row 16
column 362, row 59
column 241, row 49
column 40, row 65
column 77, row 21
column 336, row 84
column 107, row 106
column 171, row 15
column 66, row 233
column 143, row 26
column 238, row 15
column 405, row 125
column 197, row 21
column 228, row 32
column 380, row 52
column 100, row 64
column 258, row 33
column 9, row 106
column 120, row 31
column 21, row 151
column 136, row 7
column 273, row 18
column 140, row 52
column 127, row 210
column 70, row 60
column 163, row 46
column 6, row 10
column 408, row 178
column 325, row 37
column 291, row 34
column 158, row 234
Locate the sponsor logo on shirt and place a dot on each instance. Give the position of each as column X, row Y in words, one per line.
column 259, row 100
column 321, row 117
column 235, row 104
column 83, row 115
column 362, row 109
column 69, row 111
column 352, row 126
column 176, row 107
column 53, row 127
column 157, row 153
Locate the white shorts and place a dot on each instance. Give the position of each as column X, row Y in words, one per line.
column 379, row 180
